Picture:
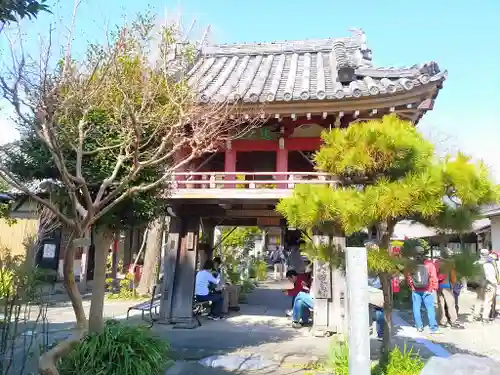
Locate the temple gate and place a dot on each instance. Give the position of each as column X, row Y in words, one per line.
column 304, row 87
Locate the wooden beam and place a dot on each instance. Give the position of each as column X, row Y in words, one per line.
column 251, row 213
column 364, row 103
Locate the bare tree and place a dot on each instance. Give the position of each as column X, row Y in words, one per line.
column 106, row 121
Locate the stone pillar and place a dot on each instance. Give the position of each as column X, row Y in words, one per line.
column 357, row 302
column 180, row 270
column 329, row 284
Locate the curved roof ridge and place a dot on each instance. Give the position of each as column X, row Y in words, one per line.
column 278, row 47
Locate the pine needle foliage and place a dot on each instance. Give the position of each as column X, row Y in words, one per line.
column 387, row 170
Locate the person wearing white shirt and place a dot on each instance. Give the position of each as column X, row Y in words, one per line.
column 204, row 278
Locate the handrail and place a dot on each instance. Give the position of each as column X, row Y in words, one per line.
column 231, row 180
column 255, row 182
column 271, row 173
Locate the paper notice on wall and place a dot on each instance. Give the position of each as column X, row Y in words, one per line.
column 49, row 251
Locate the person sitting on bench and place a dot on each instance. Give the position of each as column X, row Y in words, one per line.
column 204, row 278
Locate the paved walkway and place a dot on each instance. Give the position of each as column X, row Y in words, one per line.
column 261, row 329
column 476, row 339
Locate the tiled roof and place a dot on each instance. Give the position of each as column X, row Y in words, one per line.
column 300, row 70
column 491, row 210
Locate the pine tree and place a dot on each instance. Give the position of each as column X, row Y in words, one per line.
column 386, row 172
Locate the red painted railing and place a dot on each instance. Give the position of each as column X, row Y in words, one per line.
column 249, row 180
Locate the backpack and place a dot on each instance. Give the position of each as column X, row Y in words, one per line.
column 481, row 275
column 420, row 277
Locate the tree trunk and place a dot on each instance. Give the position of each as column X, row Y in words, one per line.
column 385, row 231
column 103, row 240
column 127, row 250
column 114, row 262
column 152, row 256
column 70, row 284
column 385, row 280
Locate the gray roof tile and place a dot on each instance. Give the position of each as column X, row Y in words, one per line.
column 300, row 70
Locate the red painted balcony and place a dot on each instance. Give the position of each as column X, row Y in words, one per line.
column 244, row 185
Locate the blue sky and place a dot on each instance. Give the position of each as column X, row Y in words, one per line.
column 461, row 35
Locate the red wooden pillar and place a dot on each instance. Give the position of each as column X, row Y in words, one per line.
column 282, row 163
column 178, row 157
column 229, row 164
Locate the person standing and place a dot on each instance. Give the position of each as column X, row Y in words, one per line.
column 295, row 259
column 278, row 259
column 493, row 309
column 446, row 301
column 487, row 284
column 424, row 283
column 457, row 289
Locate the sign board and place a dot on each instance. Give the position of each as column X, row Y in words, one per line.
column 265, row 134
column 81, row 242
column 49, row 251
column 395, row 250
column 268, row 221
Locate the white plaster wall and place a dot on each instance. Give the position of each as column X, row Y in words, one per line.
column 495, row 233
column 77, row 267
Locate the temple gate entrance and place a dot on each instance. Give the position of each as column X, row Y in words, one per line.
column 303, row 88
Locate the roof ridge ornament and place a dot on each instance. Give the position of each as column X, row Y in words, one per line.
column 359, row 33
column 363, row 56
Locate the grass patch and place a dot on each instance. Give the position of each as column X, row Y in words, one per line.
column 406, row 362
column 120, row 349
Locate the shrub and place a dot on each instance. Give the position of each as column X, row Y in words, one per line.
column 118, row 349
column 21, row 301
column 126, row 288
column 261, row 270
column 405, row 362
column 338, row 358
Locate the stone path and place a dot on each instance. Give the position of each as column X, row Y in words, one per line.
column 260, row 329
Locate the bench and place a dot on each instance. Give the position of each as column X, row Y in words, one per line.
column 148, row 306
column 199, row 308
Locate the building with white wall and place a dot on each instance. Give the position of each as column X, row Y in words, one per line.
column 493, row 213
